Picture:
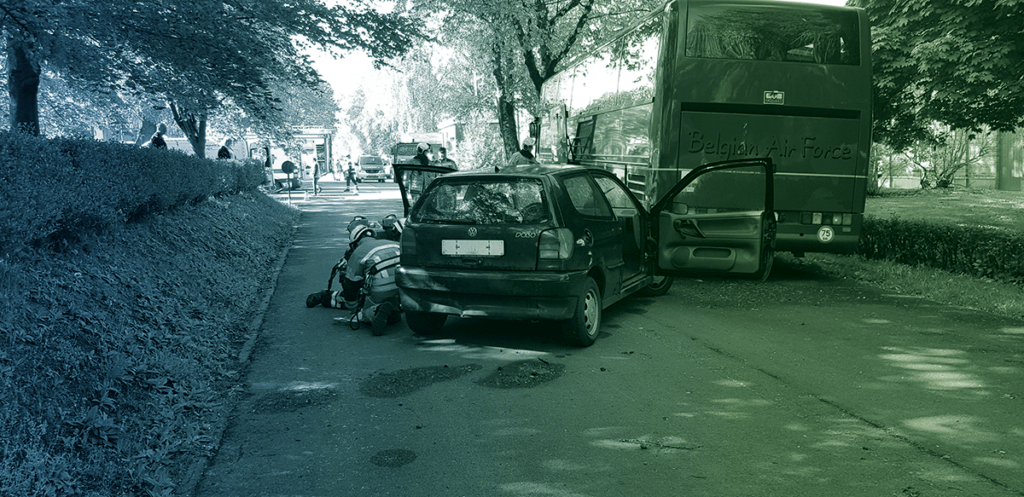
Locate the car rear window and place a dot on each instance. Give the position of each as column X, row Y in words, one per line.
column 499, row 201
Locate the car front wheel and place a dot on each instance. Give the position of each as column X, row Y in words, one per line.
column 582, row 328
column 425, row 323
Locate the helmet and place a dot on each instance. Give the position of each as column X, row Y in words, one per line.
column 529, row 141
column 358, row 233
column 392, row 227
column 357, row 221
column 422, row 146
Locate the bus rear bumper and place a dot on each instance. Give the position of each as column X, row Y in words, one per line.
column 813, row 238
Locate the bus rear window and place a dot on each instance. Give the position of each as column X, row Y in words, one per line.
column 772, row 33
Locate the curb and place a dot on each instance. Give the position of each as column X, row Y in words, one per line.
column 198, row 468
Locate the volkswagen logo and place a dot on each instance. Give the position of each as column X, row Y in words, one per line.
column 471, row 232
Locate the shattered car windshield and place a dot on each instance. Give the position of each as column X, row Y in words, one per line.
column 498, row 201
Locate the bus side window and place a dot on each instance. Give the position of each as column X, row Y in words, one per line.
column 584, row 141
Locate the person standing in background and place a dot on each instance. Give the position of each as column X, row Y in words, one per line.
column 225, row 150
column 157, row 141
column 443, row 159
column 350, row 178
column 421, row 155
column 523, row 156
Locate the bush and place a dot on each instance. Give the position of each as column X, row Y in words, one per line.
column 974, row 250
column 57, row 191
column 118, row 355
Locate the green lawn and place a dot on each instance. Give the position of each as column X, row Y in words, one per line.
column 968, row 207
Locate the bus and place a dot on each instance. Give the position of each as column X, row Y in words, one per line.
column 701, row 81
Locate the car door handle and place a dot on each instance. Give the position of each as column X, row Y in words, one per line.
column 688, row 227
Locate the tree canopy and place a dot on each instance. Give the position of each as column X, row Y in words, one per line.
column 521, row 43
column 199, row 54
column 957, row 62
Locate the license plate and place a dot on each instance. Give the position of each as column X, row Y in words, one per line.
column 483, row 248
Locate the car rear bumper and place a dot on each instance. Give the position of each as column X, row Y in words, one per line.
column 492, row 294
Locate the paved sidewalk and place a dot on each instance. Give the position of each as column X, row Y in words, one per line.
column 284, row 373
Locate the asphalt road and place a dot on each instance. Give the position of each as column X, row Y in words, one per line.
column 798, row 386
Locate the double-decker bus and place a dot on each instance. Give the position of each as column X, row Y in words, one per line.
column 701, row 81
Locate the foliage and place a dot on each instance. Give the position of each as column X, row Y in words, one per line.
column 374, row 119
column 956, row 150
column 980, row 251
column 56, row 192
column 200, row 55
column 117, row 359
column 952, row 61
column 521, row 44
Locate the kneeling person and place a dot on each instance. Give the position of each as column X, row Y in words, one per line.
column 369, row 259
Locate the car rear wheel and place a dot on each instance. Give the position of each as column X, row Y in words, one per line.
column 582, row 328
column 425, row 323
column 659, row 287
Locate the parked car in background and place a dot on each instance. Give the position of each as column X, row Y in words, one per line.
column 283, row 182
column 563, row 243
column 404, row 153
column 371, row 168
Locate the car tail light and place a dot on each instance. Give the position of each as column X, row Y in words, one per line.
column 408, row 242
column 555, row 244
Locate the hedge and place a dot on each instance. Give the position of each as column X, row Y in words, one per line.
column 975, row 250
column 53, row 191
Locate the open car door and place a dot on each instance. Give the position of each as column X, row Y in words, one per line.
column 413, row 179
column 719, row 218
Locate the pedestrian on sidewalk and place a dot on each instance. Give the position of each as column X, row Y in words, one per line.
column 350, row 178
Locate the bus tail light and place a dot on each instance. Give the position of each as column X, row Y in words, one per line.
column 845, row 219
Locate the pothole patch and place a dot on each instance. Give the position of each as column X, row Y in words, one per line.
column 406, row 381
column 292, row 400
column 523, row 374
column 393, row 458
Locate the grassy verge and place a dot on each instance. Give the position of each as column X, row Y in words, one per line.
column 995, row 209
column 982, row 294
column 118, row 355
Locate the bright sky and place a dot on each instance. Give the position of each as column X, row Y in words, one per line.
column 347, row 74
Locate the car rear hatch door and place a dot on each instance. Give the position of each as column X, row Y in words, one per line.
column 412, row 180
column 491, row 222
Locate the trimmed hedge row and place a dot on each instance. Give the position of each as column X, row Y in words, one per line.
column 984, row 252
column 54, row 191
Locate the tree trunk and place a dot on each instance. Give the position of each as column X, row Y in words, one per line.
column 506, row 107
column 194, row 126
column 23, row 86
